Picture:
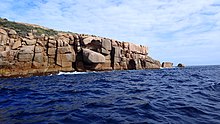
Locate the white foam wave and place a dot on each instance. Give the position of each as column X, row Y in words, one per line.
column 71, row 73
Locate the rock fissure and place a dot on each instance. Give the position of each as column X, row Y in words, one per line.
column 33, row 54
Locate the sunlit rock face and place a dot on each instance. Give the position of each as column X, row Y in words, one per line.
column 44, row 54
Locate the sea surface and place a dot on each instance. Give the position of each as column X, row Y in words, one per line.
column 165, row 96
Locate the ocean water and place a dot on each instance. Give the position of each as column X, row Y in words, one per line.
column 178, row 96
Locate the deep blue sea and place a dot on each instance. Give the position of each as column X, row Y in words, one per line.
column 165, row 96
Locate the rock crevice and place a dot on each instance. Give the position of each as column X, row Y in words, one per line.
column 34, row 55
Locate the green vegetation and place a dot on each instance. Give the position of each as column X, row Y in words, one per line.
column 23, row 29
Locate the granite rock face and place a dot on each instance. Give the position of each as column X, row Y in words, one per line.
column 167, row 65
column 36, row 55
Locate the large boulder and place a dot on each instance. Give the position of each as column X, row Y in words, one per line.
column 39, row 49
column 2, row 31
column 144, row 50
column 149, row 65
column 17, row 44
column 167, row 64
column 65, row 55
column 117, row 51
column 52, row 43
column 26, row 57
column 51, row 51
column 27, row 49
column 114, row 43
column 62, row 41
column 12, row 33
column 65, row 60
column 30, row 36
column 90, row 56
column 106, row 44
column 117, row 54
column 3, row 37
column 104, row 51
column 39, row 57
column 180, row 65
column 63, row 50
column 89, row 40
column 125, row 46
column 26, row 54
column 29, row 41
column 134, row 48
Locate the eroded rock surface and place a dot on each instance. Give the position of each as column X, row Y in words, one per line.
column 33, row 55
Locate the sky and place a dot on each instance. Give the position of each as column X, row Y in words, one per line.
column 179, row 31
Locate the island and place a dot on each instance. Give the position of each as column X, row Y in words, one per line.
column 28, row 49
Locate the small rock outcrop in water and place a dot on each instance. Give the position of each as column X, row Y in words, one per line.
column 181, row 65
column 167, row 65
column 45, row 51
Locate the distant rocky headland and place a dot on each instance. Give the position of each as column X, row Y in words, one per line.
column 27, row 50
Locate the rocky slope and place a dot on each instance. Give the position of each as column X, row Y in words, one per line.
column 27, row 50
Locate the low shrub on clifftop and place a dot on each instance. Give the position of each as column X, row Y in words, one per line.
column 23, row 29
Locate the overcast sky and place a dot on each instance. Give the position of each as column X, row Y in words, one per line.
column 186, row 31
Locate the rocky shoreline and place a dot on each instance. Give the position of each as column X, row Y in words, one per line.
column 47, row 54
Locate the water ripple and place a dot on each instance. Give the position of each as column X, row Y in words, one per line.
column 189, row 95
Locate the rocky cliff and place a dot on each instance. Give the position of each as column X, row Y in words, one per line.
column 27, row 50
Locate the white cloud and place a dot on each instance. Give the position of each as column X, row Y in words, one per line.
column 176, row 30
